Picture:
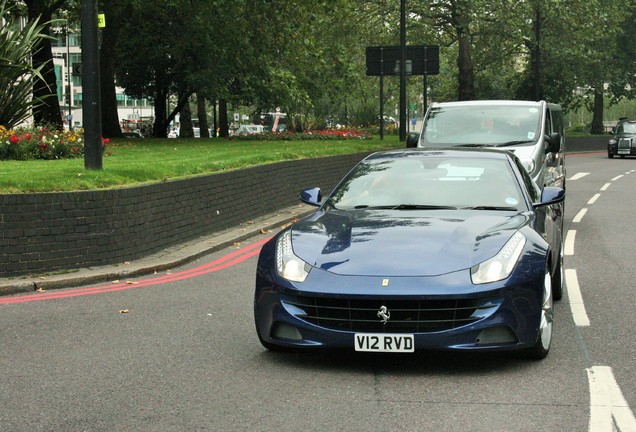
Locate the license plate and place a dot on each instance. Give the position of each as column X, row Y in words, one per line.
column 371, row 342
column 623, row 151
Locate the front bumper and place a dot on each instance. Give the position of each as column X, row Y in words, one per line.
column 442, row 313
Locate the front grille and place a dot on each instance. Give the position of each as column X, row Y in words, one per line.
column 624, row 143
column 412, row 316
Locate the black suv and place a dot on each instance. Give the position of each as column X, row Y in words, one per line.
column 623, row 143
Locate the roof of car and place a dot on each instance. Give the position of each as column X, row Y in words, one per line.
column 489, row 102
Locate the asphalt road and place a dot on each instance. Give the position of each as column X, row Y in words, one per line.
column 177, row 351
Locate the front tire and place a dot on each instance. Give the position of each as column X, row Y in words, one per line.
column 544, row 340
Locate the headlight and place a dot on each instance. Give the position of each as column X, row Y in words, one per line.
column 500, row 266
column 612, row 141
column 529, row 165
column 289, row 266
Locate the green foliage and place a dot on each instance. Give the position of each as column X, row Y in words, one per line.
column 16, row 72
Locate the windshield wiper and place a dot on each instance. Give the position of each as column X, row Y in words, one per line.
column 498, row 208
column 511, row 143
column 406, row 207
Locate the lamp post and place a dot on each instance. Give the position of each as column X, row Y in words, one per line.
column 403, row 118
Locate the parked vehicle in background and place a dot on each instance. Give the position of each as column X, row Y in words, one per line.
column 249, row 129
column 623, row 143
column 533, row 131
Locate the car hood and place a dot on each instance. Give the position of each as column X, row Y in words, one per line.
column 402, row 243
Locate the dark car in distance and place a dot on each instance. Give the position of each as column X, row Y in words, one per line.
column 623, row 143
column 418, row 250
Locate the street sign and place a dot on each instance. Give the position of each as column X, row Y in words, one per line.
column 77, row 69
column 385, row 60
column 101, row 20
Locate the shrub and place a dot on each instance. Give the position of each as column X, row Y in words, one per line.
column 40, row 143
column 323, row 135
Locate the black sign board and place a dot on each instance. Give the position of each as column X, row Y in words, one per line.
column 423, row 59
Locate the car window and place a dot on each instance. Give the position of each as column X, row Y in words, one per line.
column 429, row 181
column 626, row 127
column 487, row 125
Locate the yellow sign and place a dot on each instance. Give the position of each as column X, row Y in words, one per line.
column 101, row 20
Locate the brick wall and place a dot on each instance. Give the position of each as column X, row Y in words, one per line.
column 43, row 233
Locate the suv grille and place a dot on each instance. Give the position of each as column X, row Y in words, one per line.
column 413, row 316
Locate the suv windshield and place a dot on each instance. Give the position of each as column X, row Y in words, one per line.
column 476, row 125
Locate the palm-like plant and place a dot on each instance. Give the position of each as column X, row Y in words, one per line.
column 16, row 72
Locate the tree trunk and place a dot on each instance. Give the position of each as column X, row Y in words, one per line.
column 203, row 116
column 223, row 123
column 49, row 111
column 466, row 77
column 185, row 122
column 110, row 116
column 597, row 117
column 160, row 127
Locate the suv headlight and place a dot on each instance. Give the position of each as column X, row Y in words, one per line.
column 529, row 165
column 288, row 265
column 500, row 266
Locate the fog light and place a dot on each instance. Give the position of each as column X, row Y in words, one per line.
column 285, row 331
column 495, row 336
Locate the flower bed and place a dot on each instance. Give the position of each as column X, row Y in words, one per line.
column 40, row 143
column 324, row 134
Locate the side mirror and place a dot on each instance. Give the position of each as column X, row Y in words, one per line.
column 412, row 140
column 553, row 142
column 311, row 196
column 551, row 195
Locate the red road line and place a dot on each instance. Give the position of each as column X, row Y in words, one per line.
column 224, row 262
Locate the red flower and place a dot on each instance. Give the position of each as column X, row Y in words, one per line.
column 14, row 139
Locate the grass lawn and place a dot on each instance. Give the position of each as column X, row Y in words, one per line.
column 137, row 161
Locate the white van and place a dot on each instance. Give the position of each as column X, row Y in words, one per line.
column 533, row 131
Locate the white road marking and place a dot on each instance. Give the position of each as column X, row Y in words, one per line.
column 617, row 177
column 577, row 307
column 593, row 199
column 579, row 216
column 578, row 176
column 608, row 409
column 568, row 247
column 605, row 186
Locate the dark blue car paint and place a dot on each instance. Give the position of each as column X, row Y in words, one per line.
column 352, row 252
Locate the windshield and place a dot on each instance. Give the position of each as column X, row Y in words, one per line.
column 627, row 128
column 429, row 182
column 481, row 125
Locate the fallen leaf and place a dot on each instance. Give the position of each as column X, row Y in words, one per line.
column 116, row 281
column 263, row 231
column 131, row 283
column 250, row 222
column 123, row 311
column 237, row 244
column 40, row 290
column 127, row 262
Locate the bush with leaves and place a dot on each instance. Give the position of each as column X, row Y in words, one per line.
column 40, row 143
column 16, row 72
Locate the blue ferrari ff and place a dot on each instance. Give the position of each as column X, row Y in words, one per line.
column 418, row 250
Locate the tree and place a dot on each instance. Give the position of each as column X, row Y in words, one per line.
column 45, row 90
column 17, row 74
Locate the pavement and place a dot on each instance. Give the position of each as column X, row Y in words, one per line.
column 169, row 258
